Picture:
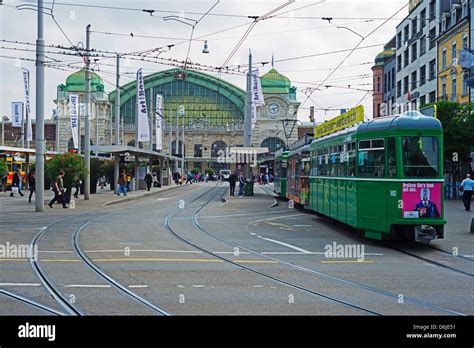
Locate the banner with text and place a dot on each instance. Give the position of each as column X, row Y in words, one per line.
column 159, row 122
column 74, row 112
column 143, row 126
column 342, row 121
column 26, row 82
column 17, row 114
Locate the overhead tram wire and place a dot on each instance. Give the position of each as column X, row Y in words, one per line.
column 353, row 50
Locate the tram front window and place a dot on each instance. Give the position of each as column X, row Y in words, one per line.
column 420, row 157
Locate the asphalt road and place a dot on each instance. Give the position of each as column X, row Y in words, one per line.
column 186, row 252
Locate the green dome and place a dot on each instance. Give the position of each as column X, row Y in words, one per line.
column 383, row 56
column 275, row 83
column 76, row 82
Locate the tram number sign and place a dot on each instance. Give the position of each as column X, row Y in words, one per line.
column 421, row 200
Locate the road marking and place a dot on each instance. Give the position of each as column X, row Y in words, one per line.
column 20, row 284
column 138, row 286
column 288, row 245
column 302, row 225
column 86, row 286
column 276, row 217
column 198, row 286
column 258, row 286
column 348, row 261
column 252, row 234
column 231, row 252
column 254, row 261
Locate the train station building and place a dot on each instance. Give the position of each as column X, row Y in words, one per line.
column 210, row 109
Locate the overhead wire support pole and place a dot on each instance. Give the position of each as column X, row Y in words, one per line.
column 117, row 123
column 87, row 145
column 248, row 116
column 39, row 136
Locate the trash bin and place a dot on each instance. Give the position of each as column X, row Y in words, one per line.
column 248, row 189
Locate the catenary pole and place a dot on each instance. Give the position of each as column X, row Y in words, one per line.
column 248, row 116
column 39, row 136
column 117, row 123
column 87, row 145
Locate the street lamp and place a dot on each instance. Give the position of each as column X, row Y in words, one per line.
column 342, row 27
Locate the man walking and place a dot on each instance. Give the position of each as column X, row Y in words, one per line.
column 148, row 181
column 241, row 185
column 232, row 181
column 467, row 185
column 58, row 189
column 122, row 183
column 16, row 182
column 31, row 184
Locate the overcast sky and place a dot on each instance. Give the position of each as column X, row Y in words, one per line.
column 296, row 33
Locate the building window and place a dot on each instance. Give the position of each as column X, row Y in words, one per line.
column 422, row 75
column 197, row 150
column 413, row 80
column 217, row 148
column 399, row 62
column 378, row 84
column 443, row 59
column 453, row 54
column 385, row 83
column 399, row 89
column 405, row 33
column 414, row 26
column 453, row 88
column 423, row 18
column 413, row 52
column 432, row 69
column 405, row 58
column 432, row 10
column 443, row 24
column 422, row 46
column 273, row 144
column 464, row 41
column 453, row 17
column 405, row 85
column 399, row 40
column 432, row 97
column 443, row 88
column 464, row 8
column 432, row 38
column 464, row 84
column 422, row 100
column 393, row 78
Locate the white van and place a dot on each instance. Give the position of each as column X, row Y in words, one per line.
column 225, row 173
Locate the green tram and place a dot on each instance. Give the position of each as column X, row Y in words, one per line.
column 279, row 177
column 383, row 177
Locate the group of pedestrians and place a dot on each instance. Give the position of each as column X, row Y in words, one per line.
column 233, row 179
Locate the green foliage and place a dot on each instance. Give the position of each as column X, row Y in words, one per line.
column 107, row 168
column 458, row 128
column 3, row 168
column 71, row 163
column 196, row 171
column 210, row 171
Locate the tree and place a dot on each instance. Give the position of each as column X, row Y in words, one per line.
column 71, row 163
column 458, row 129
column 3, row 168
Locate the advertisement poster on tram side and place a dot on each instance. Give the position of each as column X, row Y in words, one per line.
column 421, row 200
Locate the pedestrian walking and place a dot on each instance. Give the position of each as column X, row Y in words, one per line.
column 102, row 182
column 58, row 188
column 122, row 183
column 31, row 184
column 77, row 186
column 4, row 183
column 467, row 187
column 241, row 185
column 148, row 181
column 232, row 181
column 16, row 183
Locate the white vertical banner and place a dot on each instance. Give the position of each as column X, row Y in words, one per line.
column 257, row 93
column 143, row 126
column 26, row 82
column 159, row 122
column 74, row 111
column 17, row 114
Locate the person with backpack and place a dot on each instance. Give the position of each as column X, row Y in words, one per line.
column 31, row 184
column 122, row 183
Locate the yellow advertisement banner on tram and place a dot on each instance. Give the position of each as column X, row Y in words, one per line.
column 342, row 121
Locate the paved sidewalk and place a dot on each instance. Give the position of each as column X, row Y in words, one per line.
column 102, row 198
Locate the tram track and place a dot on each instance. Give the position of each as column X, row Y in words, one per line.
column 327, row 276
column 30, row 302
column 213, row 193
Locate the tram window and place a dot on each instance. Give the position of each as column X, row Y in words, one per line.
column 351, row 166
column 420, row 157
column 391, row 158
column 364, row 144
column 371, row 163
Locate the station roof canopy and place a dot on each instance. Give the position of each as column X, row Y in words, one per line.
column 22, row 150
column 135, row 151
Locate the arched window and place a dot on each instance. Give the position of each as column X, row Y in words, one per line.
column 216, row 147
column 131, row 143
column 273, row 144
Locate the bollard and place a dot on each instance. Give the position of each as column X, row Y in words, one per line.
column 472, row 225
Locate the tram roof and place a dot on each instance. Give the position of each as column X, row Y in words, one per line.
column 408, row 120
column 299, row 150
